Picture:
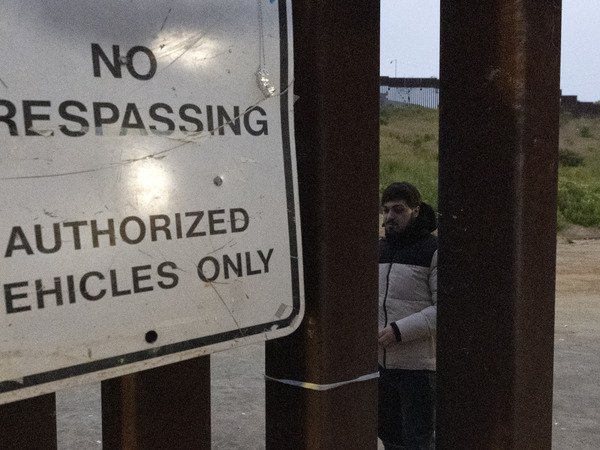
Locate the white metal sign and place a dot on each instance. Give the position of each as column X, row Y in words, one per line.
column 148, row 187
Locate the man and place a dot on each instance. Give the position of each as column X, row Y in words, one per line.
column 407, row 320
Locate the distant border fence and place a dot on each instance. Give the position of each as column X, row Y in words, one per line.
column 426, row 92
column 569, row 103
column 409, row 91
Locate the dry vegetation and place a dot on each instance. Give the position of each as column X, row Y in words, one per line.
column 409, row 151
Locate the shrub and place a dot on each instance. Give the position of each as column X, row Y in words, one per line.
column 568, row 158
column 585, row 132
column 579, row 203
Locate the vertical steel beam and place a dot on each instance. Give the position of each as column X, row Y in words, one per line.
column 499, row 111
column 29, row 424
column 336, row 45
column 158, row 409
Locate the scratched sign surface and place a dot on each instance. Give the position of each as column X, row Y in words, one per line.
column 148, row 187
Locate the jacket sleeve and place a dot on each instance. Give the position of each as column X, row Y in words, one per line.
column 422, row 324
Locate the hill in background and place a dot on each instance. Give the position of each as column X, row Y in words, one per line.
column 409, row 151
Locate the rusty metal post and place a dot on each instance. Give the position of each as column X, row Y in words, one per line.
column 29, row 424
column 336, row 45
column 158, row 409
column 499, row 111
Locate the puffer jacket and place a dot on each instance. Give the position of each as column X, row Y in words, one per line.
column 408, row 294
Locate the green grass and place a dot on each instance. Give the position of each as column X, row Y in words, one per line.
column 409, row 152
column 579, row 184
column 408, row 145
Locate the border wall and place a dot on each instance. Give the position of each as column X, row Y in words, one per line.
column 409, row 91
column 425, row 92
column 569, row 103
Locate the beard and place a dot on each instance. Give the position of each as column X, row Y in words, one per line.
column 395, row 231
column 392, row 231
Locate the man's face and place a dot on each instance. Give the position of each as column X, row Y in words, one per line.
column 397, row 216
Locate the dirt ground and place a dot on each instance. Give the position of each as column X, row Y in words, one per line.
column 577, row 338
column 238, row 386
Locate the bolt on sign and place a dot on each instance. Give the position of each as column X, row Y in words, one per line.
column 148, row 185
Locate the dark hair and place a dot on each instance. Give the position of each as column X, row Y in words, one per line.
column 402, row 191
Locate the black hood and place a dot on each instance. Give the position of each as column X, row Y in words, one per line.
column 427, row 219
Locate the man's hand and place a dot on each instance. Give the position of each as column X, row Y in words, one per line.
column 387, row 337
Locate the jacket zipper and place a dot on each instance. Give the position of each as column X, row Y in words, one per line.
column 385, row 314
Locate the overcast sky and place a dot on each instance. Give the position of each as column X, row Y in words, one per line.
column 410, row 43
